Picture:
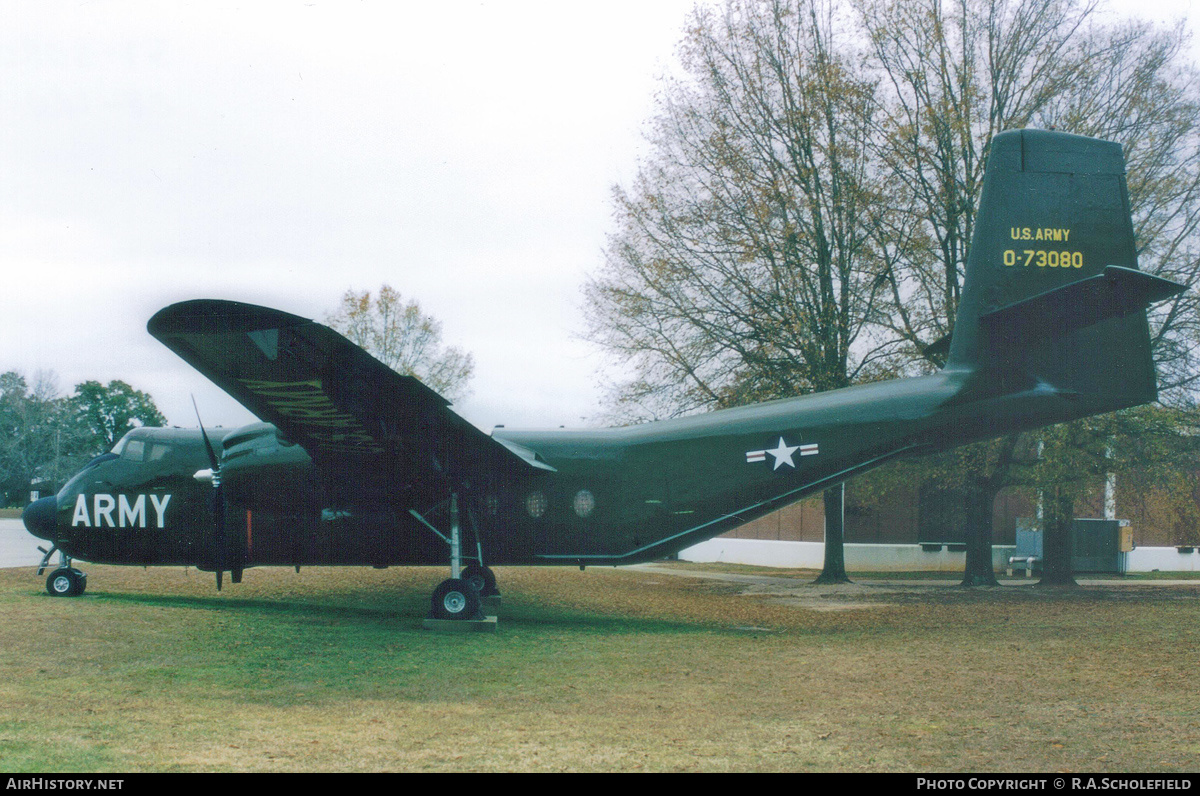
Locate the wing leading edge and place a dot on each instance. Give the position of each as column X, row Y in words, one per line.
column 328, row 395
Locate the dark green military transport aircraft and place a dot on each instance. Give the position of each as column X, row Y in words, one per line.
column 357, row 465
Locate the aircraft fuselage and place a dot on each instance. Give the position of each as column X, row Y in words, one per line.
column 614, row 496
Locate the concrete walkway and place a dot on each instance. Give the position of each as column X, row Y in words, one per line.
column 17, row 547
column 896, row 583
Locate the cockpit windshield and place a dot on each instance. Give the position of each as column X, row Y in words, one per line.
column 135, row 447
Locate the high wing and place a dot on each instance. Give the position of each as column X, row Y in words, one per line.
column 360, row 421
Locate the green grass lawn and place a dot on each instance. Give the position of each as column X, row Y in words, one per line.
column 604, row 670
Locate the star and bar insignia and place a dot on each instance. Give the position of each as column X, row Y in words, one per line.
column 783, row 453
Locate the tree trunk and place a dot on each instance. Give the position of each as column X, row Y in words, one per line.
column 835, row 536
column 978, row 534
column 1058, row 514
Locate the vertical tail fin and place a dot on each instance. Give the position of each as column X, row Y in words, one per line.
column 1052, row 292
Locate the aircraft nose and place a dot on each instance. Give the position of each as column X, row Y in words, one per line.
column 41, row 517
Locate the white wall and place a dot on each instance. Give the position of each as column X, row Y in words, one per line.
column 1163, row 559
column 898, row 557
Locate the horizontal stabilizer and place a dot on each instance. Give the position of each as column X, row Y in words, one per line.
column 939, row 348
column 1115, row 293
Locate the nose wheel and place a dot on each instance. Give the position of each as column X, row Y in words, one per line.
column 65, row 581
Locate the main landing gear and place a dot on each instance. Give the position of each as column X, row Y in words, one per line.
column 65, row 581
column 456, row 598
column 462, row 595
column 482, row 578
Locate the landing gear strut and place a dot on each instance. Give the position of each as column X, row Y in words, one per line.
column 461, row 595
column 65, row 581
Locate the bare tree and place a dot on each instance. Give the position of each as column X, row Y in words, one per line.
column 805, row 216
column 956, row 73
column 953, row 75
column 404, row 338
column 744, row 266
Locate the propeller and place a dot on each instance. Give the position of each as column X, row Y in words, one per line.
column 219, row 538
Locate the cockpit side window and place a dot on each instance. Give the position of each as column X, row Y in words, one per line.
column 134, row 450
column 158, row 452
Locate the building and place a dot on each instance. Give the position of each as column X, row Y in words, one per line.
column 892, row 525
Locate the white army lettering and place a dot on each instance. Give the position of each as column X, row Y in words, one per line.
column 1040, row 233
column 129, row 515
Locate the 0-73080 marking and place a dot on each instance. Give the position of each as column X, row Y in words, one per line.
column 1043, row 259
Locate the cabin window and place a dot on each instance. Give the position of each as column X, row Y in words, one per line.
column 584, row 503
column 535, row 504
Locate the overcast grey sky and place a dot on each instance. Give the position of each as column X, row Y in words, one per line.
column 281, row 152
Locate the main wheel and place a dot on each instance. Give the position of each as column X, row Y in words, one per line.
column 482, row 578
column 66, row 583
column 455, row 598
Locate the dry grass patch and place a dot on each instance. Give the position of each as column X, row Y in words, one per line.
column 599, row 670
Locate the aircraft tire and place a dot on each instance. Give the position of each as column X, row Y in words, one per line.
column 66, row 583
column 455, row 598
column 482, row 578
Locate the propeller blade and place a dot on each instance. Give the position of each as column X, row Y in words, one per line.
column 212, row 456
column 222, row 554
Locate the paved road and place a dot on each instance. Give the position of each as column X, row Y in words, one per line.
column 17, row 547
